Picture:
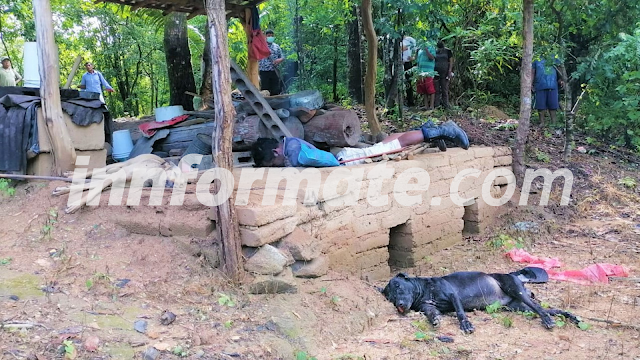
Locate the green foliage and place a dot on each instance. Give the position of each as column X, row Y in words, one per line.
column 493, row 308
column 225, row 300
column 5, row 261
column 542, row 156
column 228, row 324
column 584, row 326
column 180, row 351
column 628, row 182
column 612, row 104
column 50, row 221
column 421, row 336
column 69, row 349
column 302, row 355
column 506, row 242
column 6, row 189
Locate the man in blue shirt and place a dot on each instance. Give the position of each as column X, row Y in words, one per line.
column 93, row 81
column 294, row 152
column 545, row 84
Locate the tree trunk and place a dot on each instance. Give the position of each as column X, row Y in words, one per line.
column 354, row 57
column 206, row 89
column 178, row 55
column 64, row 153
column 372, row 62
column 226, row 217
column 335, row 66
column 525, row 93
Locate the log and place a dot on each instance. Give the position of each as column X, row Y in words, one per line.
column 64, row 154
column 302, row 113
column 228, row 230
column 248, row 129
column 335, row 128
column 372, row 62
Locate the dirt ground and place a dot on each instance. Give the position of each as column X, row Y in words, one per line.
column 64, row 289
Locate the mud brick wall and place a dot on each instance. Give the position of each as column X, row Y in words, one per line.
column 365, row 239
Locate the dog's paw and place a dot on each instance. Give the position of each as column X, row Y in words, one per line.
column 435, row 321
column 548, row 322
column 466, row 327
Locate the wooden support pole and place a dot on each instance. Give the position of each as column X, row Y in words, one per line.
column 64, row 154
column 252, row 64
column 74, row 69
column 227, row 219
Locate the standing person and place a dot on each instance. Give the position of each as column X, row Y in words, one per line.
column 269, row 75
column 8, row 75
column 93, row 80
column 545, row 82
column 408, row 47
column 426, row 69
column 444, row 74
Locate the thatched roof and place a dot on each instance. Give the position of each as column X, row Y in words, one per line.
column 191, row 7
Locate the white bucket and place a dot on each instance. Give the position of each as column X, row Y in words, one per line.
column 122, row 145
column 30, row 65
column 167, row 113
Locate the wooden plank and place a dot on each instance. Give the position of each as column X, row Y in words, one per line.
column 64, row 153
column 74, row 69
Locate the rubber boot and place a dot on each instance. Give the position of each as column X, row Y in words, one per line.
column 447, row 131
column 439, row 142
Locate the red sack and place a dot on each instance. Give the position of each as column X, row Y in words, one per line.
column 258, row 48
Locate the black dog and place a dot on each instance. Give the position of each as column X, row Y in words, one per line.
column 466, row 291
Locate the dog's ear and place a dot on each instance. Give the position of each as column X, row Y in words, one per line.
column 402, row 275
column 379, row 289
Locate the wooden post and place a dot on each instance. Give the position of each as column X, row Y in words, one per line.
column 372, row 64
column 74, row 69
column 252, row 64
column 227, row 220
column 64, row 154
column 522, row 132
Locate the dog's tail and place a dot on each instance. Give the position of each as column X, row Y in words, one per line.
column 532, row 275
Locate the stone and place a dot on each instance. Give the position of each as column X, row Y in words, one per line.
column 482, row 151
column 262, row 215
column 269, row 284
column 140, row 326
column 150, row 354
column 302, row 246
column 311, row 269
column 258, row 236
column 303, row 113
column 267, row 261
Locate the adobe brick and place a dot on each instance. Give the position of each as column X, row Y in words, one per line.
column 258, row 236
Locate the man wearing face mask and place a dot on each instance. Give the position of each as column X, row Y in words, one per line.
column 444, row 74
column 269, row 77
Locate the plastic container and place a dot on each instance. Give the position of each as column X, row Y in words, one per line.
column 31, row 78
column 167, row 113
column 122, row 145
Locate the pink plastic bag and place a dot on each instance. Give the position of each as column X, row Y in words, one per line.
column 596, row 273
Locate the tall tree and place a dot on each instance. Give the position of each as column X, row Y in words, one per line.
column 372, row 68
column 178, row 55
column 525, row 92
column 354, row 56
column 226, row 217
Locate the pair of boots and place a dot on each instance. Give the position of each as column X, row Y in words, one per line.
column 447, row 131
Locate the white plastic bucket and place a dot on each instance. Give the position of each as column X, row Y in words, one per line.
column 122, row 145
column 30, row 65
column 167, row 113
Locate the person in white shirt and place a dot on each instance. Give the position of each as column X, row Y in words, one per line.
column 408, row 56
column 8, row 75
